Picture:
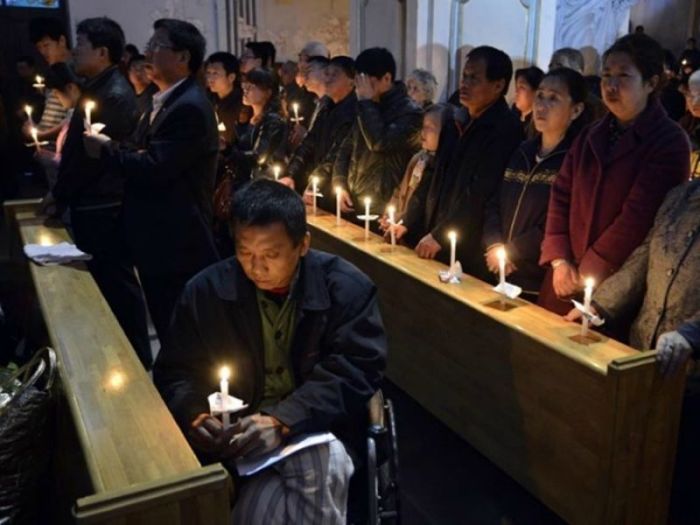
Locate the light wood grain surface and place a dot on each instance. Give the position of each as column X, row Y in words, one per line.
column 575, row 424
column 131, row 445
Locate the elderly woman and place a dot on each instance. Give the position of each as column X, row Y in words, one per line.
column 659, row 281
column 422, row 87
column 614, row 177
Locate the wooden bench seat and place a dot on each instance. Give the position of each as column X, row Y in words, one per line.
column 132, row 464
column 590, row 430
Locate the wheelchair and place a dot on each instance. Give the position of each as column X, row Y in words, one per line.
column 382, row 463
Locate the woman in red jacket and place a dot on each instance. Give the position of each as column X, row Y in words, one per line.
column 614, row 177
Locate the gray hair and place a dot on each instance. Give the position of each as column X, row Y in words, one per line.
column 427, row 82
column 315, row 49
column 567, row 57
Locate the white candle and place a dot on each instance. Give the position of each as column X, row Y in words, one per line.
column 295, row 108
column 587, row 295
column 501, row 254
column 39, row 81
column 224, row 374
column 368, row 201
column 391, row 210
column 338, row 203
column 276, row 169
column 35, row 136
column 453, row 248
column 314, row 187
column 89, row 107
column 28, row 110
column 221, row 127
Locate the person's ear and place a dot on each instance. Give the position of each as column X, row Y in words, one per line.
column 185, row 57
column 499, row 86
column 654, row 82
column 103, row 53
column 231, row 77
column 387, row 79
column 306, row 244
column 578, row 109
column 62, row 41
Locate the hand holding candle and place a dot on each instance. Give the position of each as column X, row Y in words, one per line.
column 295, row 108
column 39, row 82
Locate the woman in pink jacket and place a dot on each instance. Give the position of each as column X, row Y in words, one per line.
column 614, row 177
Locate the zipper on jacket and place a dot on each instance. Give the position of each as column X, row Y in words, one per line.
column 530, row 174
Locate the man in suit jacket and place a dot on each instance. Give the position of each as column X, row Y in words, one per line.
column 94, row 192
column 169, row 171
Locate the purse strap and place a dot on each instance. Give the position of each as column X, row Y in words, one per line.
column 43, row 362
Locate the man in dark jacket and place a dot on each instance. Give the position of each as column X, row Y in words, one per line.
column 94, row 192
column 302, row 333
column 385, row 136
column 169, row 172
column 468, row 173
column 316, row 155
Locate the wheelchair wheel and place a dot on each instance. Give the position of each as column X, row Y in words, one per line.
column 372, row 488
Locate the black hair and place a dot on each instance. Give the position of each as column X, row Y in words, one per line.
column 577, row 86
column 131, row 49
column 532, row 75
column 670, row 60
column 136, row 58
column 265, row 51
column 263, row 202
column 345, row 63
column 646, row 53
column 227, row 60
column 376, row 62
column 498, row 64
column 185, row 37
column 574, row 81
column 46, row 26
column 60, row 76
column 27, row 59
column 104, row 32
column 262, row 78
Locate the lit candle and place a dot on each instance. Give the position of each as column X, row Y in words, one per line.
column 295, row 108
column 314, row 188
column 338, row 202
column 501, row 254
column 391, row 210
column 35, row 136
column 587, row 294
column 28, row 110
column 39, row 81
column 224, row 374
column 276, row 169
column 89, row 107
column 221, row 127
column 453, row 248
column 368, row 201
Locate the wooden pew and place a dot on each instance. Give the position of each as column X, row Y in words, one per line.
column 590, row 430
column 120, row 457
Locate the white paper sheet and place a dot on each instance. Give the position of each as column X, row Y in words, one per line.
column 60, row 253
column 248, row 467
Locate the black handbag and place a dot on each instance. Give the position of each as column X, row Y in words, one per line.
column 26, row 410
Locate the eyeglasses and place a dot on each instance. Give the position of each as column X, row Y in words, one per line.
column 154, row 45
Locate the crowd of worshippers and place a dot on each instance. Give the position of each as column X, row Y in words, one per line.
column 584, row 176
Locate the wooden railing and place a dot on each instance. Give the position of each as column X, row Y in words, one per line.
column 589, row 429
column 120, row 457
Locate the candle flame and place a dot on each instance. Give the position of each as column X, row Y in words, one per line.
column 590, row 282
column 452, row 235
column 224, row 373
column 501, row 253
column 314, row 180
column 90, row 105
column 28, row 110
column 221, row 127
column 368, row 201
column 338, row 190
column 295, row 106
column 391, row 210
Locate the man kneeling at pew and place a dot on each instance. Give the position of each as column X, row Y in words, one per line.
column 303, row 336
